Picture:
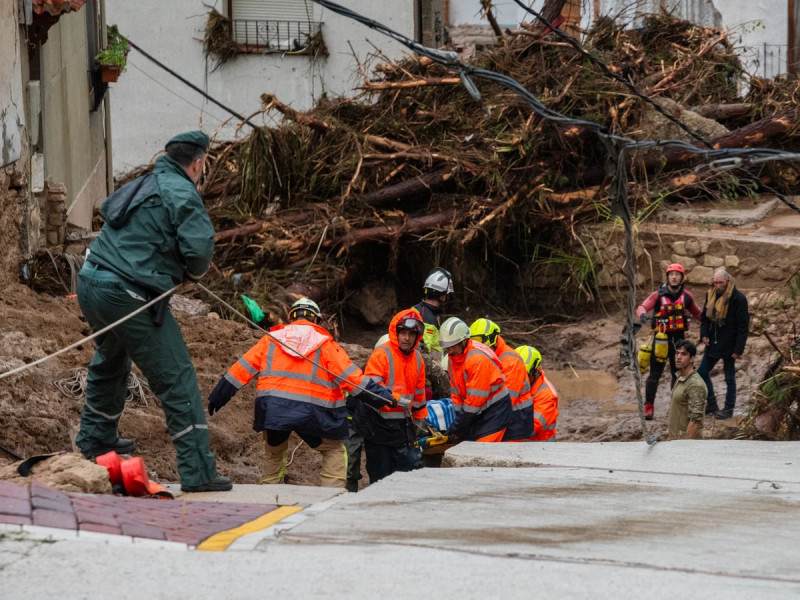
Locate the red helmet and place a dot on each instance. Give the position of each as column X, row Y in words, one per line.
column 676, row 267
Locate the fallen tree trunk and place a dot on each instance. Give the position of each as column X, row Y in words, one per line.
column 372, row 86
column 753, row 135
column 384, row 232
column 722, row 111
column 409, row 188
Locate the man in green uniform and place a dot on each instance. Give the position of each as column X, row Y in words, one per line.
column 688, row 396
column 157, row 234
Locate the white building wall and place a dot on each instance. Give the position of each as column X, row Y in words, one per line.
column 12, row 110
column 148, row 105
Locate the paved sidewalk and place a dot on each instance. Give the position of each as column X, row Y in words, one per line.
column 180, row 521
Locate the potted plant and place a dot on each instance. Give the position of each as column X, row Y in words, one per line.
column 113, row 57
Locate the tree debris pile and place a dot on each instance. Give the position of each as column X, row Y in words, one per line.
column 312, row 205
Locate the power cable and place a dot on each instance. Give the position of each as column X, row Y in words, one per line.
column 191, row 85
column 174, row 93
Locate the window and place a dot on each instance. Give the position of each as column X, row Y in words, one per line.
column 274, row 25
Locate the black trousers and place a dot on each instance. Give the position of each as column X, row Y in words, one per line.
column 657, row 368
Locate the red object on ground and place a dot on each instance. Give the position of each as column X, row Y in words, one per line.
column 113, row 463
column 134, row 477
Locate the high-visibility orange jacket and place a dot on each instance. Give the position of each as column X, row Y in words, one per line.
column 519, row 388
column 404, row 375
column 545, row 409
column 477, row 389
column 294, row 394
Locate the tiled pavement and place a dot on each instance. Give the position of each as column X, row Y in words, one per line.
column 171, row 520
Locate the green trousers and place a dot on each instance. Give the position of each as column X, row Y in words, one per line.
column 160, row 353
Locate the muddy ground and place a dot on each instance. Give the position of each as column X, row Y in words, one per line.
column 582, row 359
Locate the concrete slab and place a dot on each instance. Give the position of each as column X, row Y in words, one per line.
column 283, row 494
column 772, row 461
column 615, row 521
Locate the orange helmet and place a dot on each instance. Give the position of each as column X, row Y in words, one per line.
column 676, row 267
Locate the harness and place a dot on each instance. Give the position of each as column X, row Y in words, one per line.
column 670, row 316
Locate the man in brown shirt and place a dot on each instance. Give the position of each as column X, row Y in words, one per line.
column 688, row 396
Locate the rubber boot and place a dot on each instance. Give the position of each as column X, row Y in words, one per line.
column 648, row 412
column 334, row 463
column 274, row 466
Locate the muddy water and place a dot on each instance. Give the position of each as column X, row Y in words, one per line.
column 578, row 384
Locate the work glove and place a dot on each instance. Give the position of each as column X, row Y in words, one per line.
column 385, row 397
column 221, row 395
column 643, row 318
column 403, row 403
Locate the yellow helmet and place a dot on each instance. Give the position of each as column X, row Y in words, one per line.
column 530, row 356
column 484, row 330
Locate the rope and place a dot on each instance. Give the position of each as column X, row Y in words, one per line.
column 291, row 458
column 291, row 350
column 87, row 338
column 73, row 385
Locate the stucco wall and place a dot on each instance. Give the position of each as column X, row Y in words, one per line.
column 148, row 106
column 74, row 136
column 12, row 112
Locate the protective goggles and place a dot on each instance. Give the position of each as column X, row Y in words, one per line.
column 411, row 324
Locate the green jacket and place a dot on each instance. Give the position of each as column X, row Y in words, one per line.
column 167, row 237
column 688, row 404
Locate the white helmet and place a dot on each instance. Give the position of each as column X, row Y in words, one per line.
column 303, row 308
column 453, row 331
column 382, row 340
column 439, row 280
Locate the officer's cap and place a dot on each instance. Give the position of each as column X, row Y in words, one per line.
column 195, row 138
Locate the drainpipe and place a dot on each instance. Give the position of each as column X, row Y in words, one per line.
column 790, row 51
column 106, row 113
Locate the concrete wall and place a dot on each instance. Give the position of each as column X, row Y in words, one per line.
column 12, row 112
column 149, row 105
column 74, row 136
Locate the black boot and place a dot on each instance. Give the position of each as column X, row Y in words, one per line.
column 218, row 484
column 120, row 446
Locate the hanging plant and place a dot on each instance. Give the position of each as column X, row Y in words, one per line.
column 218, row 42
column 114, row 57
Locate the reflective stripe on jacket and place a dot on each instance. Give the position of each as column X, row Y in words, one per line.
column 545, row 409
column 519, row 388
column 404, row 375
column 430, row 337
column 478, row 391
column 294, row 394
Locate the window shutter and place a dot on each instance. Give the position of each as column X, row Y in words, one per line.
column 273, row 10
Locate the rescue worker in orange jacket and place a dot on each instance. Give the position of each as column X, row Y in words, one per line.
column 389, row 433
column 671, row 305
column 516, row 376
column 545, row 396
column 301, row 386
column 480, row 398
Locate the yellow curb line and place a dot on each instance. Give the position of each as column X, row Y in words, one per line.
column 220, row 541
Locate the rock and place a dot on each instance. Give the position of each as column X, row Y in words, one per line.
column 710, row 260
column 768, row 422
column 213, row 315
column 190, row 306
column 693, row 247
column 731, row 261
column 66, row 472
column 377, row 302
column 748, row 266
column 679, row 248
column 685, row 261
column 700, row 275
column 772, row 273
column 604, row 278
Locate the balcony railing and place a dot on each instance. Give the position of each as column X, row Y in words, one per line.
column 765, row 60
column 300, row 37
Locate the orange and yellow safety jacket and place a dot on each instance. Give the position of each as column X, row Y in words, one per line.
column 294, row 394
column 404, row 375
column 519, row 388
column 545, row 409
column 477, row 388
